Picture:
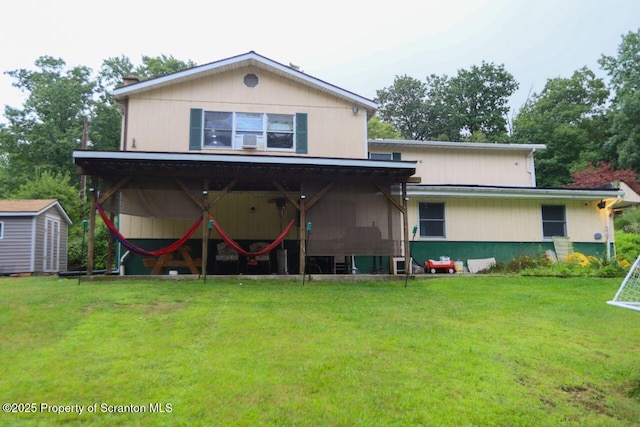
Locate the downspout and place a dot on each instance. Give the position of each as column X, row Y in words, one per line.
column 121, row 269
column 125, row 124
column 609, row 213
column 531, row 167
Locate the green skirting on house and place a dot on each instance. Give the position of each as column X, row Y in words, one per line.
column 420, row 251
column 501, row 251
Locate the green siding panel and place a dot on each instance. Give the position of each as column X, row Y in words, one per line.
column 301, row 133
column 195, row 129
column 501, row 251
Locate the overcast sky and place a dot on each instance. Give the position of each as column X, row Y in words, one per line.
column 355, row 45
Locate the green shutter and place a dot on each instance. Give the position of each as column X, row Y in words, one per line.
column 301, row 133
column 195, row 129
column 396, row 156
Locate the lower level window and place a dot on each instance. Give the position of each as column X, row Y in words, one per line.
column 554, row 221
column 1, row 229
column 432, row 223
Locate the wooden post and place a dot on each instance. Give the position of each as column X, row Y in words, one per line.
column 405, row 226
column 205, row 228
column 92, row 230
column 111, row 247
column 303, row 230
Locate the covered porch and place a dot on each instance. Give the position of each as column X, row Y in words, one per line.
column 338, row 210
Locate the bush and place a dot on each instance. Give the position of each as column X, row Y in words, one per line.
column 577, row 265
column 627, row 246
column 628, row 221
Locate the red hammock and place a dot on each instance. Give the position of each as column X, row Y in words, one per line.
column 138, row 250
column 251, row 256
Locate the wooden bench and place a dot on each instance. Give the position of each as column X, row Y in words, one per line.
column 178, row 258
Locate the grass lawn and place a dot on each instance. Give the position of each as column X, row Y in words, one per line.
column 442, row 351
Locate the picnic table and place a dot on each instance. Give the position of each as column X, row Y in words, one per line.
column 179, row 258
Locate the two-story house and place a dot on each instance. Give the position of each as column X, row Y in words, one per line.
column 251, row 145
column 247, row 151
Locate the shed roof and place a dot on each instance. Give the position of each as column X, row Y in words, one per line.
column 245, row 60
column 30, row 207
column 487, row 191
column 399, row 143
column 253, row 169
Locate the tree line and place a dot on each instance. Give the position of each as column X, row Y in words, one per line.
column 591, row 127
column 586, row 123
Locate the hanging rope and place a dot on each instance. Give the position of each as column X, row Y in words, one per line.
column 251, row 256
column 138, row 250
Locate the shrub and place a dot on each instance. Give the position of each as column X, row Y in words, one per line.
column 577, row 265
column 627, row 246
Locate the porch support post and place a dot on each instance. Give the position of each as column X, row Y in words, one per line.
column 205, row 228
column 403, row 208
column 405, row 226
column 302, row 205
column 92, row 228
column 303, row 229
column 110, row 247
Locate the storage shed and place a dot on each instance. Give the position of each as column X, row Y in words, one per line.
column 33, row 236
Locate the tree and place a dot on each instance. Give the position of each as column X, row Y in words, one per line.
column 444, row 108
column 624, row 71
column 480, row 99
column 567, row 116
column 43, row 134
column 594, row 176
column 158, row 66
column 403, row 106
column 377, row 129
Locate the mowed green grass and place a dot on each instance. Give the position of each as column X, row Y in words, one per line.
column 442, row 351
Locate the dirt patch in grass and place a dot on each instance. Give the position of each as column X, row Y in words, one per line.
column 587, row 396
column 148, row 309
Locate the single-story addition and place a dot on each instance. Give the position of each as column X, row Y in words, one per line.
column 33, row 236
column 247, row 165
column 480, row 200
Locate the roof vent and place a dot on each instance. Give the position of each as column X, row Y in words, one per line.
column 251, row 80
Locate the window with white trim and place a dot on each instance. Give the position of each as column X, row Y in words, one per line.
column 554, row 221
column 432, row 220
column 233, row 130
column 1, row 230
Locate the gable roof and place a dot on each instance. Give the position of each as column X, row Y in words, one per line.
column 30, row 207
column 249, row 59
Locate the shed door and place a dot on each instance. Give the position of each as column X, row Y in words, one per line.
column 51, row 256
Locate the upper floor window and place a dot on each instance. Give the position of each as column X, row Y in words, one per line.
column 432, row 222
column 554, row 221
column 236, row 130
column 223, row 129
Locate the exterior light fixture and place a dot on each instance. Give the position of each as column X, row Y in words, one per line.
column 355, row 109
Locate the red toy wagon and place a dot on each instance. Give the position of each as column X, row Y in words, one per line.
column 445, row 264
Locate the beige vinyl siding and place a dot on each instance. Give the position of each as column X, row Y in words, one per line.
column 512, row 220
column 159, row 119
column 233, row 214
column 467, row 166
